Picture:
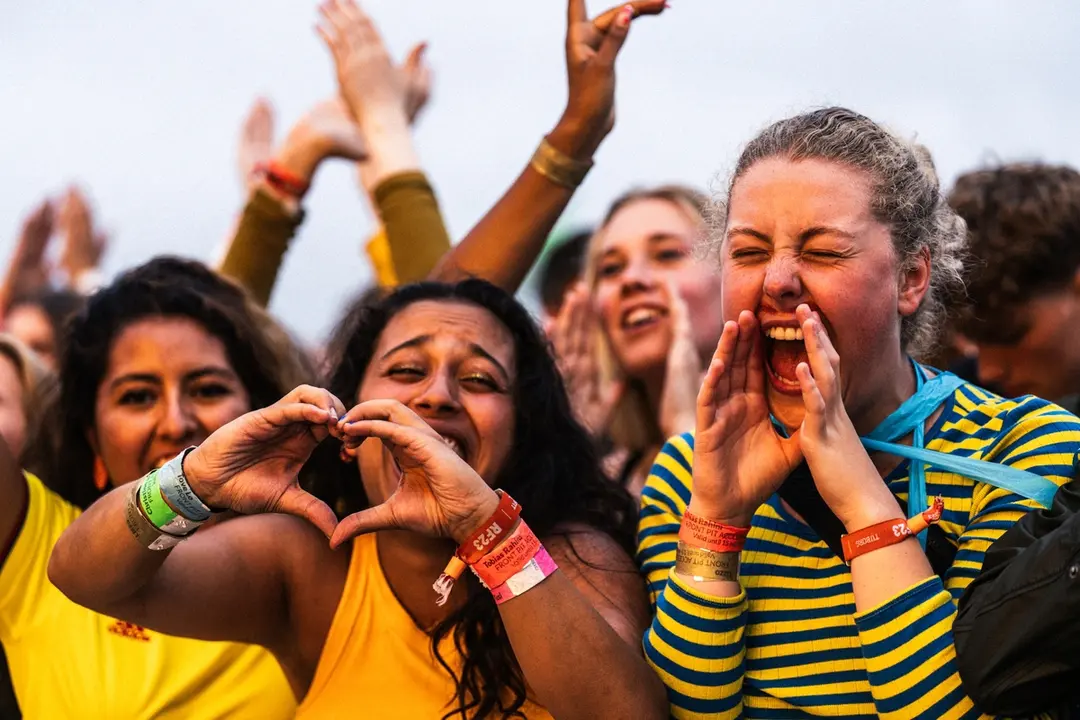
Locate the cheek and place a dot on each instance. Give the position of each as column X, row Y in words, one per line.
column 494, row 421
column 120, row 436
column 740, row 289
column 13, row 429
column 213, row 416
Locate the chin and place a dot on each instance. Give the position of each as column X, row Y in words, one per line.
column 643, row 362
column 788, row 409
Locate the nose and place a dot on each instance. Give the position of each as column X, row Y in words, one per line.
column 178, row 421
column 638, row 275
column 437, row 398
column 782, row 281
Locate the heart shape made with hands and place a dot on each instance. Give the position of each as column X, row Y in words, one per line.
column 437, row 494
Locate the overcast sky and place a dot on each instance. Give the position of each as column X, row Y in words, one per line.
column 141, row 102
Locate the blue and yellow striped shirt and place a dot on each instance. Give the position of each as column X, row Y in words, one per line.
column 791, row 645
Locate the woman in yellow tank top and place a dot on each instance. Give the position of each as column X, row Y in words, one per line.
column 156, row 361
column 457, row 394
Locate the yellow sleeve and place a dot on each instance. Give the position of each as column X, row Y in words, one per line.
column 696, row 642
column 24, row 578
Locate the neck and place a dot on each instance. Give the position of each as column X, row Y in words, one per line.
column 411, row 563
column 896, row 386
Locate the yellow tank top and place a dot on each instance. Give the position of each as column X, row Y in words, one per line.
column 376, row 662
column 70, row 662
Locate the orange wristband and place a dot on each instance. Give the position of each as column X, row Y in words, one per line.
column 282, row 180
column 513, row 554
column 890, row 532
column 711, row 535
column 484, row 540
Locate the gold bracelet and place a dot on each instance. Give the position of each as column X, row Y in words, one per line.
column 558, row 167
column 702, row 564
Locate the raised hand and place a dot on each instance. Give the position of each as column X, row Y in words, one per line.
column 739, row 459
column 250, row 465
column 83, row 246
column 28, row 270
column 574, row 338
column 374, row 89
column 682, row 374
column 843, row 471
column 591, row 49
column 256, row 144
column 438, row 493
column 325, row 131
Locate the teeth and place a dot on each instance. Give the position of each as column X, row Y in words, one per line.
column 455, row 446
column 641, row 315
column 779, row 333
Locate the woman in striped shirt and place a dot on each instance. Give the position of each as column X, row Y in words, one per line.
column 837, row 250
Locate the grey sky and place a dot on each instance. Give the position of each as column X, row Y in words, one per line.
column 141, row 102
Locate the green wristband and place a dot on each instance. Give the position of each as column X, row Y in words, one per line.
column 153, row 504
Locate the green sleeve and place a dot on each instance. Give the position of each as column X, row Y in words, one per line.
column 258, row 247
column 413, row 225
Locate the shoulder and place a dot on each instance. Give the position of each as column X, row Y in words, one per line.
column 1009, row 427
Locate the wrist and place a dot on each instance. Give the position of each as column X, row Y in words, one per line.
column 870, row 511
column 299, row 158
column 197, row 476
column 735, row 517
column 481, row 514
column 576, row 138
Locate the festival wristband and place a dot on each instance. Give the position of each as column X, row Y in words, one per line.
column 174, row 486
column 282, row 180
column 484, row 540
column 711, row 535
column 890, row 532
column 142, row 529
column 508, row 558
column 702, row 564
column 535, row 572
column 157, row 510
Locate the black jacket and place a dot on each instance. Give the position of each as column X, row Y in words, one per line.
column 1017, row 633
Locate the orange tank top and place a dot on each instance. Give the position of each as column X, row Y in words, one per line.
column 376, row 662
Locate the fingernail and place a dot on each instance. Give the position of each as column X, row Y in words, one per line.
column 626, row 15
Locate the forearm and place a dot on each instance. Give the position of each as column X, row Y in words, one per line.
column 413, row 225
column 574, row 661
column 503, row 246
column 258, row 247
column 97, row 562
column 693, row 637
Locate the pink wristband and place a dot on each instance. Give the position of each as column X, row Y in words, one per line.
column 534, row 573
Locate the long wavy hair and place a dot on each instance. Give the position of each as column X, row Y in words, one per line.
column 265, row 359
column 552, row 470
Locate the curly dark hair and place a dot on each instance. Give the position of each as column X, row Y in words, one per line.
column 267, row 362
column 1024, row 231
column 552, row 470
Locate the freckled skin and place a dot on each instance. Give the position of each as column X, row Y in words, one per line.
column 802, row 232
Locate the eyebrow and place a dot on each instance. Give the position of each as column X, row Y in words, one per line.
column 804, row 236
column 152, row 379
column 473, row 347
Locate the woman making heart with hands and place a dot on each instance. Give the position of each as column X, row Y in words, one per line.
column 461, row 451
column 836, row 248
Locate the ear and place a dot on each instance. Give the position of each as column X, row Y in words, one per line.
column 914, row 283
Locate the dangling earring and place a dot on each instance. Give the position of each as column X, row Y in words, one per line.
column 101, row 475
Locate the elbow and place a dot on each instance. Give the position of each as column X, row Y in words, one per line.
column 59, row 570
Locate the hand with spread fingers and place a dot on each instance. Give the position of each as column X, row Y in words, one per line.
column 682, row 374
column 83, row 245
column 250, row 465
column 28, row 269
column 739, row 459
column 574, row 339
column 256, row 144
column 438, row 493
column 843, row 472
column 591, row 49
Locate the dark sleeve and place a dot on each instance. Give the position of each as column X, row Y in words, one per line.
column 413, row 224
column 1017, row 633
column 259, row 245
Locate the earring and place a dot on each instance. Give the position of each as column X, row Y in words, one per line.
column 101, row 475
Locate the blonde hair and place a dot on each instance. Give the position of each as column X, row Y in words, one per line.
column 633, row 425
column 38, row 385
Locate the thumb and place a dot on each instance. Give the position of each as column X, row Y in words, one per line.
column 415, row 58
column 380, row 517
column 616, row 36
column 305, row 505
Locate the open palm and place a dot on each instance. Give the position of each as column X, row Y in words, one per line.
column 739, row 459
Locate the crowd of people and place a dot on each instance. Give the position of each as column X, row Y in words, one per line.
column 806, row 448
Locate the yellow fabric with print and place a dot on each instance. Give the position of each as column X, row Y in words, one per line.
column 70, row 662
column 377, row 664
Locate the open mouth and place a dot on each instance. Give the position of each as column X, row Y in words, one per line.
column 457, row 445
column 642, row 318
column 784, row 350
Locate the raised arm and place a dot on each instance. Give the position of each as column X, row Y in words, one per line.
column 27, row 269
column 506, row 242
column 577, row 646
column 228, row 581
